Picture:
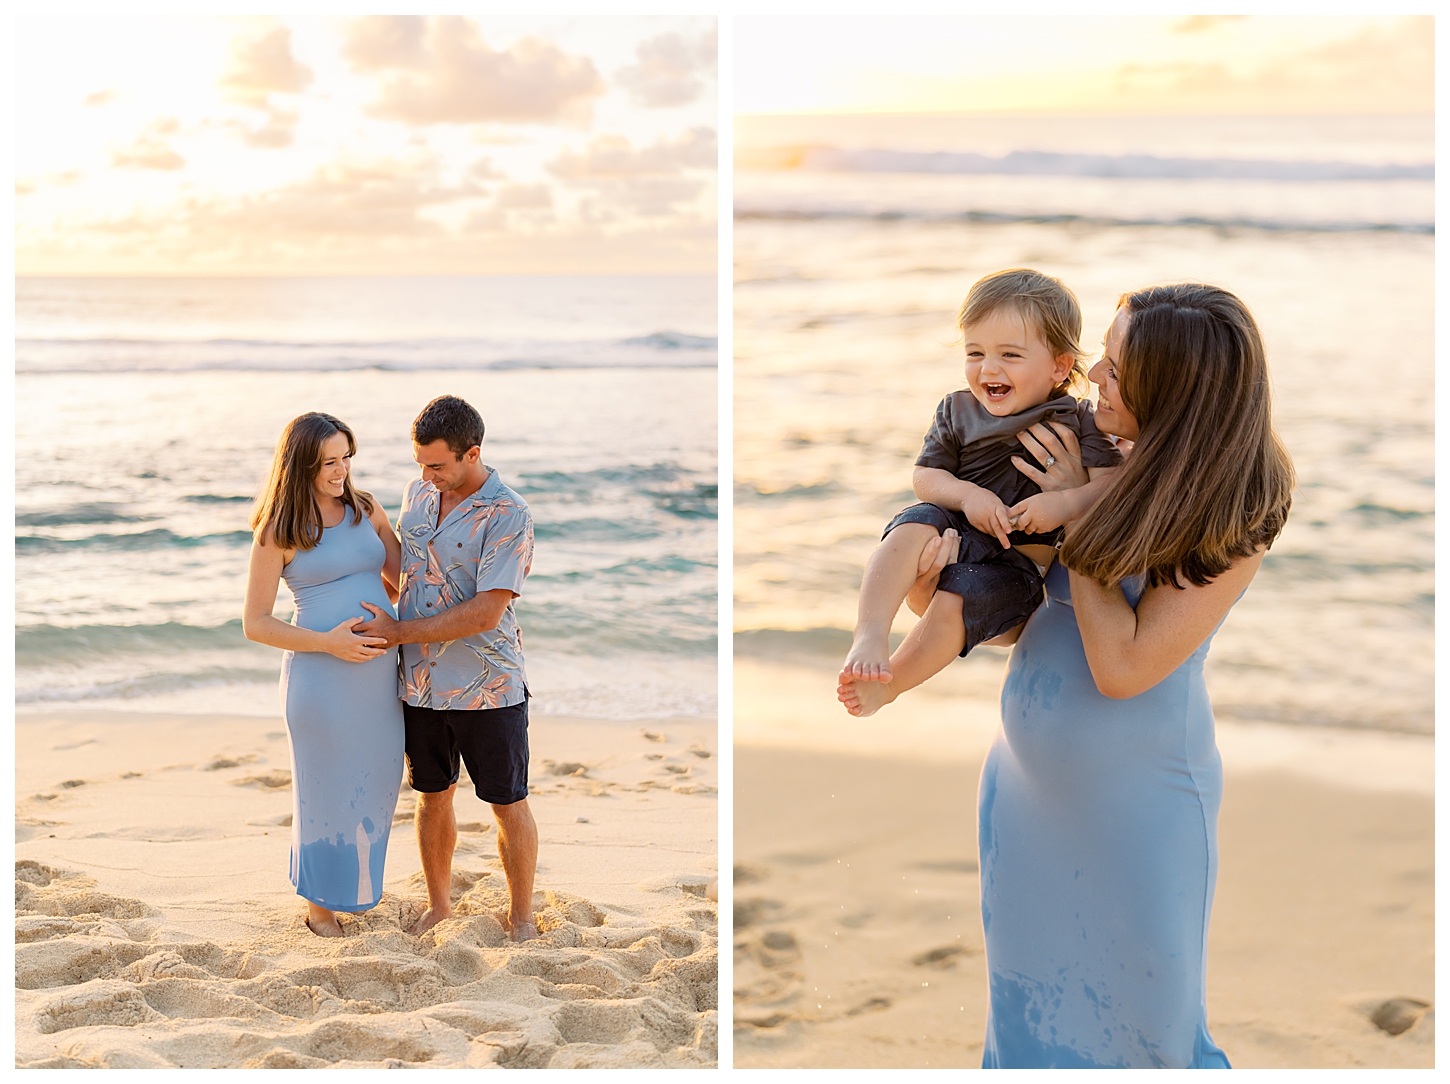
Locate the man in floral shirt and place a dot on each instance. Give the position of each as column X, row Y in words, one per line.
column 468, row 542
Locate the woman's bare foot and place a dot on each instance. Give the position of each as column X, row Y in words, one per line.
column 427, row 920
column 323, row 922
column 863, row 698
column 868, row 660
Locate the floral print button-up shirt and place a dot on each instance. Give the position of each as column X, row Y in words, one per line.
column 485, row 543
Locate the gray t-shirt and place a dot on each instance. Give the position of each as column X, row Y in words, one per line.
column 977, row 446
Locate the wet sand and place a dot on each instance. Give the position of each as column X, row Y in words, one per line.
column 156, row 927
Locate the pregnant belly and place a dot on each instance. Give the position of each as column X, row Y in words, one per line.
column 327, row 605
column 1064, row 733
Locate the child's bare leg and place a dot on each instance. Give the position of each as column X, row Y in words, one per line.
column 889, row 576
column 929, row 647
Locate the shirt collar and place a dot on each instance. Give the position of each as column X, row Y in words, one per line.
column 490, row 490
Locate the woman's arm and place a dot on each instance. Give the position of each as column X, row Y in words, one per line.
column 1129, row 651
column 264, row 572
column 393, row 562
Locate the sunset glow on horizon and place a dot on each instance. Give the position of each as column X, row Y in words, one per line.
column 485, row 144
column 972, row 62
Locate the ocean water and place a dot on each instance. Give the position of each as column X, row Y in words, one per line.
column 856, row 240
column 146, row 415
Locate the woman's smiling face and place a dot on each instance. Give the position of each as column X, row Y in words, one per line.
column 332, row 472
column 1112, row 415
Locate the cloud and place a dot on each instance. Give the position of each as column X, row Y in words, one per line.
column 647, row 181
column 1378, row 69
column 484, row 170
column 613, row 156
column 264, row 65
column 439, row 70
column 512, row 196
column 27, row 185
column 648, row 197
column 279, row 130
column 149, row 150
column 368, row 199
column 375, row 42
column 102, row 97
column 1196, row 24
column 670, row 69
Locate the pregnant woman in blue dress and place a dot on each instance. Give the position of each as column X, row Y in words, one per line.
column 335, row 548
column 1098, row 803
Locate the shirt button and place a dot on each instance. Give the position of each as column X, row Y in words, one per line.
column 460, row 545
column 432, row 664
column 427, row 604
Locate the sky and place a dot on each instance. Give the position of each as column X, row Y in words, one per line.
column 962, row 60
column 480, row 143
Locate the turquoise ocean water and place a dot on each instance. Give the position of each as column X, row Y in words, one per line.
column 146, row 414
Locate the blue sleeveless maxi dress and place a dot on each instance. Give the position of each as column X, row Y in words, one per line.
column 1098, row 836
column 345, row 723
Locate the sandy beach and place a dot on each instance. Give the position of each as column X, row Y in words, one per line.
column 858, row 940
column 156, row 927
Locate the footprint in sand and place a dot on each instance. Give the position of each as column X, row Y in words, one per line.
column 1398, row 1014
column 588, row 993
column 217, row 763
column 942, row 958
column 273, row 780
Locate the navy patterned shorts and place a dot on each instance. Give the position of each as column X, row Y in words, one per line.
column 999, row 587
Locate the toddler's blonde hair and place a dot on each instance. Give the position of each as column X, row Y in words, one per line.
column 1044, row 302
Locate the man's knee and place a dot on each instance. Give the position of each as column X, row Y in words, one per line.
column 435, row 806
column 513, row 813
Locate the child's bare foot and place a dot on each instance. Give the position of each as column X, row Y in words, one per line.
column 868, row 660
column 863, row 698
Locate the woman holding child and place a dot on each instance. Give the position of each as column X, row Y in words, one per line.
column 1098, row 803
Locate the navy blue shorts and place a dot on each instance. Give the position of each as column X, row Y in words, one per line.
column 1000, row 588
column 492, row 742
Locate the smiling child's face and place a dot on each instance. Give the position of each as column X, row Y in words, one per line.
column 1009, row 368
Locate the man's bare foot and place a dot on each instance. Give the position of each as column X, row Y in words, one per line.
column 868, row 660
column 517, row 931
column 323, row 923
column 863, row 698
column 427, row 920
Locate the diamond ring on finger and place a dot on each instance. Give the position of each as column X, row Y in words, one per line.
column 1051, row 459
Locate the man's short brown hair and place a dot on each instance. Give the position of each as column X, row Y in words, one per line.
column 450, row 419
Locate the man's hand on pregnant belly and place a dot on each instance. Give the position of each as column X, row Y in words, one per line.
column 481, row 613
column 350, row 646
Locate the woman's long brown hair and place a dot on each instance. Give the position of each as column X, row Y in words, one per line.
column 1208, row 480
column 287, row 511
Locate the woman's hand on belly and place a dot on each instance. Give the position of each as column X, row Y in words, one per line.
column 350, row 646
